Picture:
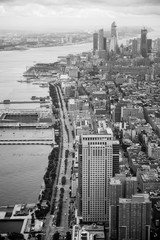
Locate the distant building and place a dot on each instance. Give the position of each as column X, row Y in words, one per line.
column 134, row 46
column 135, row 217
column 114, row 30
column 95, row 41
column 144, row 43
column 149, row 45
column 74, row 72
column 101, row 40
column 104, row 43
column 114, row 38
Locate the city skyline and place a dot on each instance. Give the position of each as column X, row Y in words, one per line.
column 53, row 15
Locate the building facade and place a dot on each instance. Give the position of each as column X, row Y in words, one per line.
column 144, row 43
column 115, row 192
column 101, row 39
column 95, row 41
column 135, row 217
column 95, row 171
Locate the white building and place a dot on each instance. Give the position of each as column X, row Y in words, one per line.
column 95, row 171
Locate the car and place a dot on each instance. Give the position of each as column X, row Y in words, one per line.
column 66, row 198
column 65, row 214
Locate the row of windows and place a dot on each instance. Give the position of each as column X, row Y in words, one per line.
column 98, row 143
column 96, row 138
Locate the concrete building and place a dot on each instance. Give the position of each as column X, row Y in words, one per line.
column 95, row 171
column 153, row 150
column 126, row 112
column 114, row 38
column 134, row 46
column 135, row 217
column 115, row 192
column 149, row 45
column 131, row 186
column 101, row 40
column 144, row 43
column 88, row 232
column 148, row 180
column 74, row 72
column 95, row 41
column 74, row 184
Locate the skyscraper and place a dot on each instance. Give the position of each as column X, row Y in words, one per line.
column 114, row 38
column 149, row 45
column 131, row 186
column 101, row 39
column 135, row 217
column 95, row 171
column 134, row 46
column 114, row 30
column 115, row 192
column 105, row 43
column 144, row 43
column 95, row 41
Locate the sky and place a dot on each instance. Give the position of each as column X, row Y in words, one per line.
column 77, row 15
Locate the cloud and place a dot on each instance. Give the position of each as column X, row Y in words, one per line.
column 2, row 11
column 95, row 13
column 74, row 3
column 135, row 7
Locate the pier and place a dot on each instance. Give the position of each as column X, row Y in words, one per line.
column 23, row 102
column 48, row 141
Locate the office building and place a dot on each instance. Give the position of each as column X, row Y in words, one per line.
column 135, row 217
column 104, row 43
column 131, row 186
column 114, row 38
column 115, row 192
column 115, row 157
column 114, row 30
column 144, row 43
column 95, row 171
column 149, row 45
column 134, row 46
column 131, row 111
column 101, row 40
column 95, row 41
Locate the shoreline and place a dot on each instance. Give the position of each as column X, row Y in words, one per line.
column 28, row 48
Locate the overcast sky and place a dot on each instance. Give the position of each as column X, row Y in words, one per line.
column 69, row 15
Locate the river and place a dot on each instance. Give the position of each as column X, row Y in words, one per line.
column 22, row 167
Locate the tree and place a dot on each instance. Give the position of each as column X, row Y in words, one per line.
column 39, row 236
column 63, row 180
column 56, row 236
column 62, row 190
column 15, row 236
column 2, row 238
column 68, row 236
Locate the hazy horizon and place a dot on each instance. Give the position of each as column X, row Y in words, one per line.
column 76, row 15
